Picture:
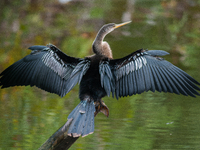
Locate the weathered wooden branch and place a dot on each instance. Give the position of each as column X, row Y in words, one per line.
column 60, row 140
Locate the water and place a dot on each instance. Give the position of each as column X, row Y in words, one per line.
column 29, row 116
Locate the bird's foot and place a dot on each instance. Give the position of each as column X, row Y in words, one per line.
column 100, row 106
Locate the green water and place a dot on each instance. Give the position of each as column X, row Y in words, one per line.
column 29, row 116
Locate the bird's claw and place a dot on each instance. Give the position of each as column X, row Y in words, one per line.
column 101, row 107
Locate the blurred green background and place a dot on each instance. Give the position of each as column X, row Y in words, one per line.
column 29, row 116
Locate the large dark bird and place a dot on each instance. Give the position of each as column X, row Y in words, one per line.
column 50, row 69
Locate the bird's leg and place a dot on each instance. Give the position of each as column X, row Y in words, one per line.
column 100, row 106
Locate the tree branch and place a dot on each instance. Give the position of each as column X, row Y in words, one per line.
column 60, row 140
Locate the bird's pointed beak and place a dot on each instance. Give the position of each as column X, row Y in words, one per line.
column 121, row 24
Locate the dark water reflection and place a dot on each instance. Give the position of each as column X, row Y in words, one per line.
column 147, row 121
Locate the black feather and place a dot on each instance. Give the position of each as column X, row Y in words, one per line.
column 170, row 81
column 182, row 83
column 147, row 80
column 130, row 84
column 157, row 52
column 14, row 78
column 121, row 87
column 141, row 82
column 124, row 86
column 106, row 85
column 151, row 78
column 37, row 47
column 134, row 77
column 159, row 77
column 176, row 83
column 186, row 79
column 165, row 82
column 83, row 119
column 117, row 89
column 186, row 75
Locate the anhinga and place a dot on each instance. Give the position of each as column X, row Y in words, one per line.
column 99, row 75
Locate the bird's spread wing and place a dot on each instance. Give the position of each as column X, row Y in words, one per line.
column 47, row 68
column 143, row 71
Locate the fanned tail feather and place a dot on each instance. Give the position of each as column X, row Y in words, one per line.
column 82, row 118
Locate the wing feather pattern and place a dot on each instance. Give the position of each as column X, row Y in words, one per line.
column 106, row 76
column 48, row 68
column 144, row 70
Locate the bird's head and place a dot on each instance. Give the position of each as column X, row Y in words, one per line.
column 111, row 26
column 101, row 47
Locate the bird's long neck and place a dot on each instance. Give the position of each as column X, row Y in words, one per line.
column 99, row 46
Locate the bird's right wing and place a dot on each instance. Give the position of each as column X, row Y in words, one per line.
column 46, row 67
column 143, row 71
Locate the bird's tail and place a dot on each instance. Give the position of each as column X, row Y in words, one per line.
column 82, row 119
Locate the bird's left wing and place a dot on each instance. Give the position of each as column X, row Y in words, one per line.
column 142, row 71
column 46, row 67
